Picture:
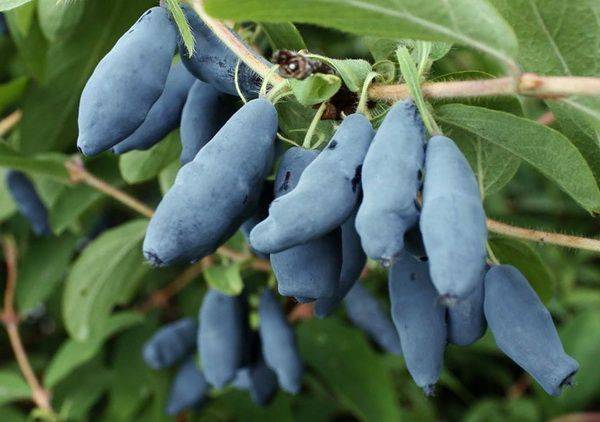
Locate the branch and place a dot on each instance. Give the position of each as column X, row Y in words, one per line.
column 10, row 320
column 575, row 242
column 78, row 174
column 529, row 84
column 10, row 121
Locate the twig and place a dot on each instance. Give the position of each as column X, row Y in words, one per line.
column 10, row 121
column 10, row 320
column 544, row 237
column 301, row 312
column 578, row 417
column 79, row 174
column 529, row 84
column 249, row 57
column 160, row 298
column 547, row 118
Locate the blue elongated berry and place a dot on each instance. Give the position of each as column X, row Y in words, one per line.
column 3, row 27
column 453, row 221
column 28, row 202
column 165, row 114
column 465, row 319
column 310, row 270
column 222, row 337
column 205, row 112
column 279, row 346
column 365, row 311
column 326, row 195
column 214, row 194
column 419, row 319
column 524, row 330
column 391, row 182
column 171, row 343
column 259, row 380
column 189, row 388
column 214, row 63
column 126, row 83
column 353, row 262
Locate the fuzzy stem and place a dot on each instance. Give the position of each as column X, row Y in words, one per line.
column 10, row 121
column 575, row 242
column 10, row 319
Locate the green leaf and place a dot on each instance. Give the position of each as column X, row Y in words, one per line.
column 381, row 48
column 348, row 365
column 7, row 205
column 493, row 166
column 27, row 36
column 81, row 390
column 294, row 119
column 46, row 165
column 167, row 176
column 524, row 257
column 50, row 107
column 353, row 72
column 41, row 268
column 12, row 91
column 72, row 354
column 12, row 387
column 316, row 88
column 457, row 21
column 11, row 4
column 580, row 339
column 283, row 36
column 101, row 275
column 544, row 148
column 183, row 25
column 559, row 38
column 226, row 279
column 141, row 166
column 58, row 18
column 131, row 386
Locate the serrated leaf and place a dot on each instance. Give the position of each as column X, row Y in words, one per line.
column 45, row 165
column 41, row 268
column 11, row 4
column 316, row 88
column 72, row 354
column 100, row 276
column 141, row 166
column 11, row 91
column 561, row 38
column 50, row 107
column 528, row 261
column 544, row 148
column 58, row 18
column 341, row 357
column 226, row 279
column 473, row 23
column 12, row 387
column 283, row 36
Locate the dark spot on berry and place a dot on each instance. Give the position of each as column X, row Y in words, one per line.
column 423, row 258
column 356, row 179
column 420, row 175
column 413, row 276
column 332, row 144
column 286, row 182
column 245, row 199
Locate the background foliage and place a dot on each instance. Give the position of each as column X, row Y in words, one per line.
column 80, row 295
